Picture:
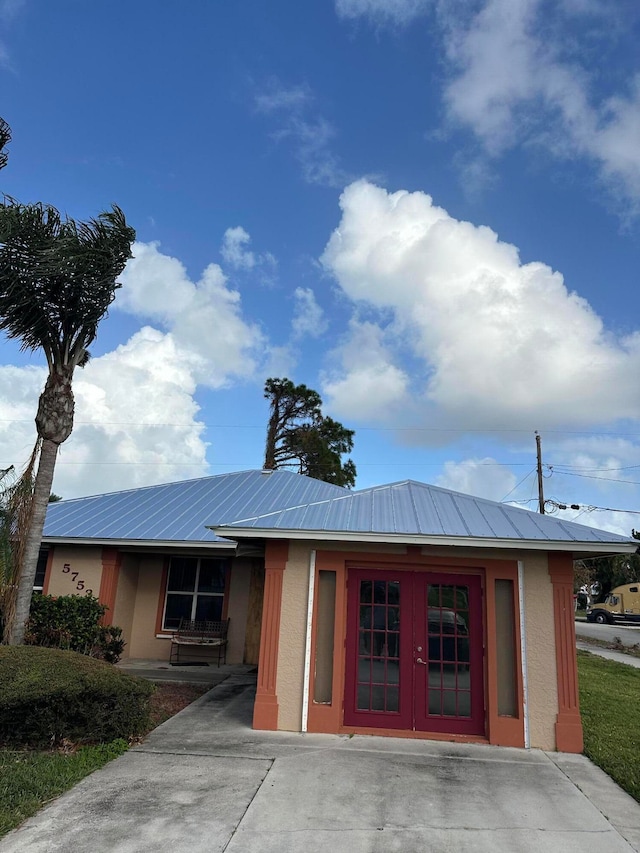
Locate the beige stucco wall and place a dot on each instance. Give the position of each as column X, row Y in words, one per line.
column 144, row 643
column 86, row 562
column 124, row 607
column 541, row 651
column 293, row 625
column 238, row 603
column 539, row 627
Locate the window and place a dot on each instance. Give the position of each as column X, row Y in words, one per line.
column 195, row 590
column 41, row 570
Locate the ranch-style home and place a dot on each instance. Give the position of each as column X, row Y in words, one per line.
column 404, row 609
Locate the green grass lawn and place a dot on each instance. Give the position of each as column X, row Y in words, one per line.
column 28, row 779
column 610, row 707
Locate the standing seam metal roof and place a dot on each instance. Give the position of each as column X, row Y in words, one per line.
column 180, row 511
column 414, row 508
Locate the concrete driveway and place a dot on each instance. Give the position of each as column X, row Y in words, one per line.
column 204, row 781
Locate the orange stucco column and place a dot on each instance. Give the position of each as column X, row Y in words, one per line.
column 265, row 709
column 568, row 723
column 111, row 560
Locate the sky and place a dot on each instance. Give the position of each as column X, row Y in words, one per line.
column 426, row 210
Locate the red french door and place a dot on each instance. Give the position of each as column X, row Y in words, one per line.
column 414, row 651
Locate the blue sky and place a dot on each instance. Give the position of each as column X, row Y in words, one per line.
column 426, row 210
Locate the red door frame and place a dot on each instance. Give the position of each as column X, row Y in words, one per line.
column 475, row 723
column 403, row 718
column 413, row 632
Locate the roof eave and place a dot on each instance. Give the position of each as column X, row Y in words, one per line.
column 581, row 548
column 138, row 543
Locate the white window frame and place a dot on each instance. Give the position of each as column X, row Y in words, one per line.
column 194, row 595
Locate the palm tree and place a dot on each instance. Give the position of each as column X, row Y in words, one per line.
column 5, row 138
column 57, row 280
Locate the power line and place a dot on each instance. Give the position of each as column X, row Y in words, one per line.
column 591, row 508
column 480, row 430
column 516, row 486
column 593, row 477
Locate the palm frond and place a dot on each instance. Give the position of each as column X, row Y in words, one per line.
column 5, row 139
column 58, row 277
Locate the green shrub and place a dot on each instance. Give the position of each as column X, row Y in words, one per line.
column 49, row 695
column 73, row 622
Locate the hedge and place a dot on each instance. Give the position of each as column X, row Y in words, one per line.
column 50, row 695
column 73, row 622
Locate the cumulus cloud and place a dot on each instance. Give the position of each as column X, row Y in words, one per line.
column 309, row 134
column 308, row 318
column 9, row 11
column 367, row 385
column 236, row 253
column 512, row 81
column 496, row 342
column 137, row 419
column 482, row 477
column 204, row 316
column 522, row 73
column 383, row 11
column 234, row 250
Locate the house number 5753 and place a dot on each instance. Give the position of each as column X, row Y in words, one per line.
column 75, row 578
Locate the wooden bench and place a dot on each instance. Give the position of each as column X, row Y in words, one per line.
column 201, row 634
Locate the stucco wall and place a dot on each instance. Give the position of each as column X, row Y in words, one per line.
column 237, row 608
column 124, row 607
column 539, row 625
column 293, row 623
column 84, row 567
column 144, row 643
column 541, row 652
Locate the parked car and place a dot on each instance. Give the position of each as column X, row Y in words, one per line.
column 449, row 629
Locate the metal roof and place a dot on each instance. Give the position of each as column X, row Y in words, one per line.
column 178, row 512
column 413, row 511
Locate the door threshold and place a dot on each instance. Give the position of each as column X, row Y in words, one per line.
column 414, row 735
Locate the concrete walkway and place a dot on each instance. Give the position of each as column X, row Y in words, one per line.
column 609, row 654
column 205, row 781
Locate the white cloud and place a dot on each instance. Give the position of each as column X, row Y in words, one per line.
column 277, row 97
column 309, row 134
column 204, row 317
column 383, row 11
column 136, row 418
column 308, row 318
column 496, row 342
column 237, row 255
column 367, row 386
column 234, row 251
column 522, row 73
column 513, row 81
column 484, row 478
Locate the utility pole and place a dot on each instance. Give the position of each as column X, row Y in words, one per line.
column 539, row 466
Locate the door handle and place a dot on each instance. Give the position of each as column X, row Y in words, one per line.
column 423, row 662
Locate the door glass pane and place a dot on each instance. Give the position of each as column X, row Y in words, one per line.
column 448, row 648
column 378, row 646
column 392, row 699
column 366, row 590
column 464, row 704
column 435, row 702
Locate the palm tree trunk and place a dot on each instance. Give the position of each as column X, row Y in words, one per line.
column 33, row 539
